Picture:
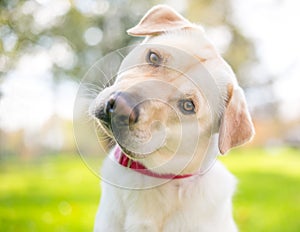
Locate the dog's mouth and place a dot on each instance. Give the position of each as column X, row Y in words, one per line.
column 129, row 142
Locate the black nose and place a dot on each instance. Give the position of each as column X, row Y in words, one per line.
column 120, row 109
column 110, row 104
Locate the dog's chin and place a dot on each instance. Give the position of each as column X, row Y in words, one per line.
column 131, row 154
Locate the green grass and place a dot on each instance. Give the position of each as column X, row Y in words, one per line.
column 268, row 194
column 59, row 193
column 55, row 193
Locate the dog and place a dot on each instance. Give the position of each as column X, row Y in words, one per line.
column 175, row 105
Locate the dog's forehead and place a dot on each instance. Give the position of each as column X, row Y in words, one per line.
column 172, row 57
column 180, row 47
column 193, row 45
column 193, row 41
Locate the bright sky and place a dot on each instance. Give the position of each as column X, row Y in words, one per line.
column 29, row 99
column 274, row 26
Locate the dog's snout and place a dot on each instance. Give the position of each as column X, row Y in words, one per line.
column 120, row 109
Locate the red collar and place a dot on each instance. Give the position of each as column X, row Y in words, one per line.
column 125, row 161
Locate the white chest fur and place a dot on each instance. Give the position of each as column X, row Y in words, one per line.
column 198, row 203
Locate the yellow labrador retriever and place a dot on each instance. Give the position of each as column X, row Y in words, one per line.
column 175, row 105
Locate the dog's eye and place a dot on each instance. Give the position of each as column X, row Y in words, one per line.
column 153, row 58
column 186, row 106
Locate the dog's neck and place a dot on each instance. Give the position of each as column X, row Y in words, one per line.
column 125, row 161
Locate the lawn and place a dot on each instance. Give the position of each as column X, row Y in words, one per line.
column 59, row 193
column 53, row 193
column 268, row 195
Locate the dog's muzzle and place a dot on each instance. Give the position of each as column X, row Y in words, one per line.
column 121, row 109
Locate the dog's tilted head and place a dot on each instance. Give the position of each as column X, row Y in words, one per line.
column 175, row 100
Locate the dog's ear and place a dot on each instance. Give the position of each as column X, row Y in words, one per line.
column 236, row 125
column 159, row 19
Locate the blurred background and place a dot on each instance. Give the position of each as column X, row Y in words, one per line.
column 47, row 46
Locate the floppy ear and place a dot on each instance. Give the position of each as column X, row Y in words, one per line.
column 159, row 19
column 236, row 125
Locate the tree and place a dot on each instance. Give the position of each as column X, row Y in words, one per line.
column 77, row 33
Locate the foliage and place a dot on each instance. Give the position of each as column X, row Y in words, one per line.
column 42, row 25
column 58, row 193
column 29, row 27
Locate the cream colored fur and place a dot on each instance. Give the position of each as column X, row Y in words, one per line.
column 198, row 203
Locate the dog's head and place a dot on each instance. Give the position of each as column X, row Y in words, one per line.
column 174, row 96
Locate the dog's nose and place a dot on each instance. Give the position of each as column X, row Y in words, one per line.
column 110, row 104
column 121, row 108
